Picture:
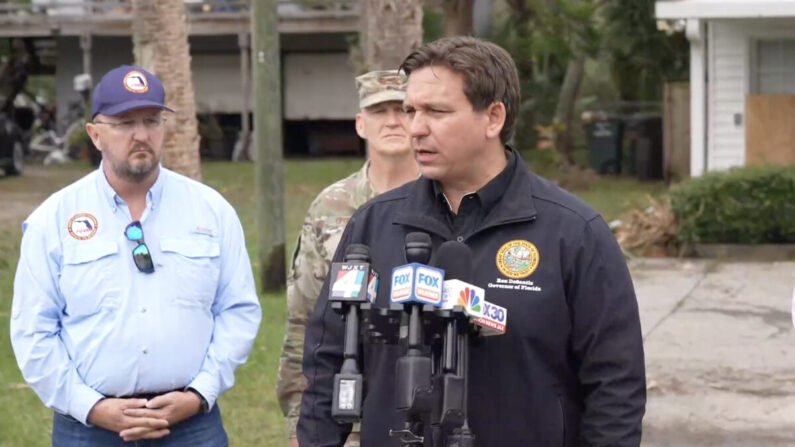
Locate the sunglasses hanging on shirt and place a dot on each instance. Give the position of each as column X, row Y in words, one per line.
column 141, row 255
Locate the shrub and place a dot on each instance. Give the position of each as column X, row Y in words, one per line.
column 749, row 205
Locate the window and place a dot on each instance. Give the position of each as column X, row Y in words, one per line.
column 775, row 66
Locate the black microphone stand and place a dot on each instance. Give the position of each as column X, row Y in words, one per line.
column 414, row 391
column 428, row 389
column 451, row 428
column 349, row 383
column 461, row 437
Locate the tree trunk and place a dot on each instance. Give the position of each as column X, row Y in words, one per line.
column 564, row 112
column 268, row 141
column 523, row 15
column 457, row 19
column 160, row 45
column 391, row 29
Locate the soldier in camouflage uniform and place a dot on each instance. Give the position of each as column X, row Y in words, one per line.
column 383, row 124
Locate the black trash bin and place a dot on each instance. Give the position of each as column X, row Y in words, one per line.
column 644, row 135
column 604, row 138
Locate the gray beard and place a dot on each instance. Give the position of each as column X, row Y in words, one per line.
column 134, row 174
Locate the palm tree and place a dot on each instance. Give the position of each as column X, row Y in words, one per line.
column 458, row 17
column 391, row 29
column 160, row 45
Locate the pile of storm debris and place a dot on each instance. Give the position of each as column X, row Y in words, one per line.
column 648, row 232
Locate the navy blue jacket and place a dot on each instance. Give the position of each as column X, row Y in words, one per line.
column 570, row 369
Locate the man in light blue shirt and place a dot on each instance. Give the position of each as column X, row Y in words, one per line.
column 134, row 299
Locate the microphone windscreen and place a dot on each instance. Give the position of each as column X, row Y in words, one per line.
column 357, row 252
column 418, row 247
column 455, row 258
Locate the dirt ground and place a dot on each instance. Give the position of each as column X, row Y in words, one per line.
column 19, row 195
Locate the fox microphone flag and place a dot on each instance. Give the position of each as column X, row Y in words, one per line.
column 417, row 283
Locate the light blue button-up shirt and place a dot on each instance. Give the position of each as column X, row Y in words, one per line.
column 85, row 323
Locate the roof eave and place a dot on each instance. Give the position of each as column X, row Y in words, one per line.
column 706, row 9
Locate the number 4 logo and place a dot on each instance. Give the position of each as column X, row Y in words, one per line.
column 348, row 284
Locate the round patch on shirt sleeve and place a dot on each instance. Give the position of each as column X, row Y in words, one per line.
column 82, row 226
column 517, row 259
column 136, row 82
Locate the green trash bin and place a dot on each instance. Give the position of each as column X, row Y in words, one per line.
column 604, row 145
column 644, row 140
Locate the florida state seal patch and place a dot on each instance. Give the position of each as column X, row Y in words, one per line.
column 517, row 259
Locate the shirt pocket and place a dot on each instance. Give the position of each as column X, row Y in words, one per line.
column 87, row 277
column 192, row 268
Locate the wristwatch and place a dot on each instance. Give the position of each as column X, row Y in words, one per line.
column 204, row 407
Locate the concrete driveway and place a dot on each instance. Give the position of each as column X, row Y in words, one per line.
column 720, row 352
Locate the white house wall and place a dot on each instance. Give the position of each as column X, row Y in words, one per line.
column 319, row 86
column 216, row 76
column 217, row 83
column 727, row 87
column 730, row 60
column 696, row 34
column 316, row 85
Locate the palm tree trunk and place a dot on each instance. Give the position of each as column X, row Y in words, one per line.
column 160, row 45
column 458, row 19
column 391, row 29
column 564, row 112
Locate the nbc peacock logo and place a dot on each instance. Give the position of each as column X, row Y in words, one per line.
column 469, row 299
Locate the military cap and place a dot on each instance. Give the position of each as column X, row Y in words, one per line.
column 380, row 86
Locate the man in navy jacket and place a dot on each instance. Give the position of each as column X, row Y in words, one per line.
column 570, row 370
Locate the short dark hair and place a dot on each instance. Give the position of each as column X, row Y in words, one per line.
column 488, row 70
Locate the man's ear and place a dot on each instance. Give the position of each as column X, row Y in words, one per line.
column 93, row 133
column 360, row 126
column 496, row 116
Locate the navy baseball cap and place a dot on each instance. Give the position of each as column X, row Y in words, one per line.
column 127, row 88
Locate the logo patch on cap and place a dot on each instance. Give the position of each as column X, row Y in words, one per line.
column 136, row 82
column 82, row 226
column 517, row 259
column 395, row 80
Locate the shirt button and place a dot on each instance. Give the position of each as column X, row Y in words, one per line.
column 460, row 238
column 143, row 310
column 145, row 351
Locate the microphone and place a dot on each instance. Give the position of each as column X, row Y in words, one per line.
column 457, row 261
column 414, row 285
column 494, row 320
column 416, row 282
column 353, row 282
column 461, row 299
column 464, row 302
column 487, row 318
column 353, row 279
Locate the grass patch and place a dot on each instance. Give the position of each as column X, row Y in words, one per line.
column 251, row 413
column 613, row 196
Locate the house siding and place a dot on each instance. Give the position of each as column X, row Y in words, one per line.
column 727, row 88
column 730, row 68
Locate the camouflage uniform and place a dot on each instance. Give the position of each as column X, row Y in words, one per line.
column 320, row 234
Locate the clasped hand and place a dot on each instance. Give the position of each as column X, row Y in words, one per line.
column 136, row 419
